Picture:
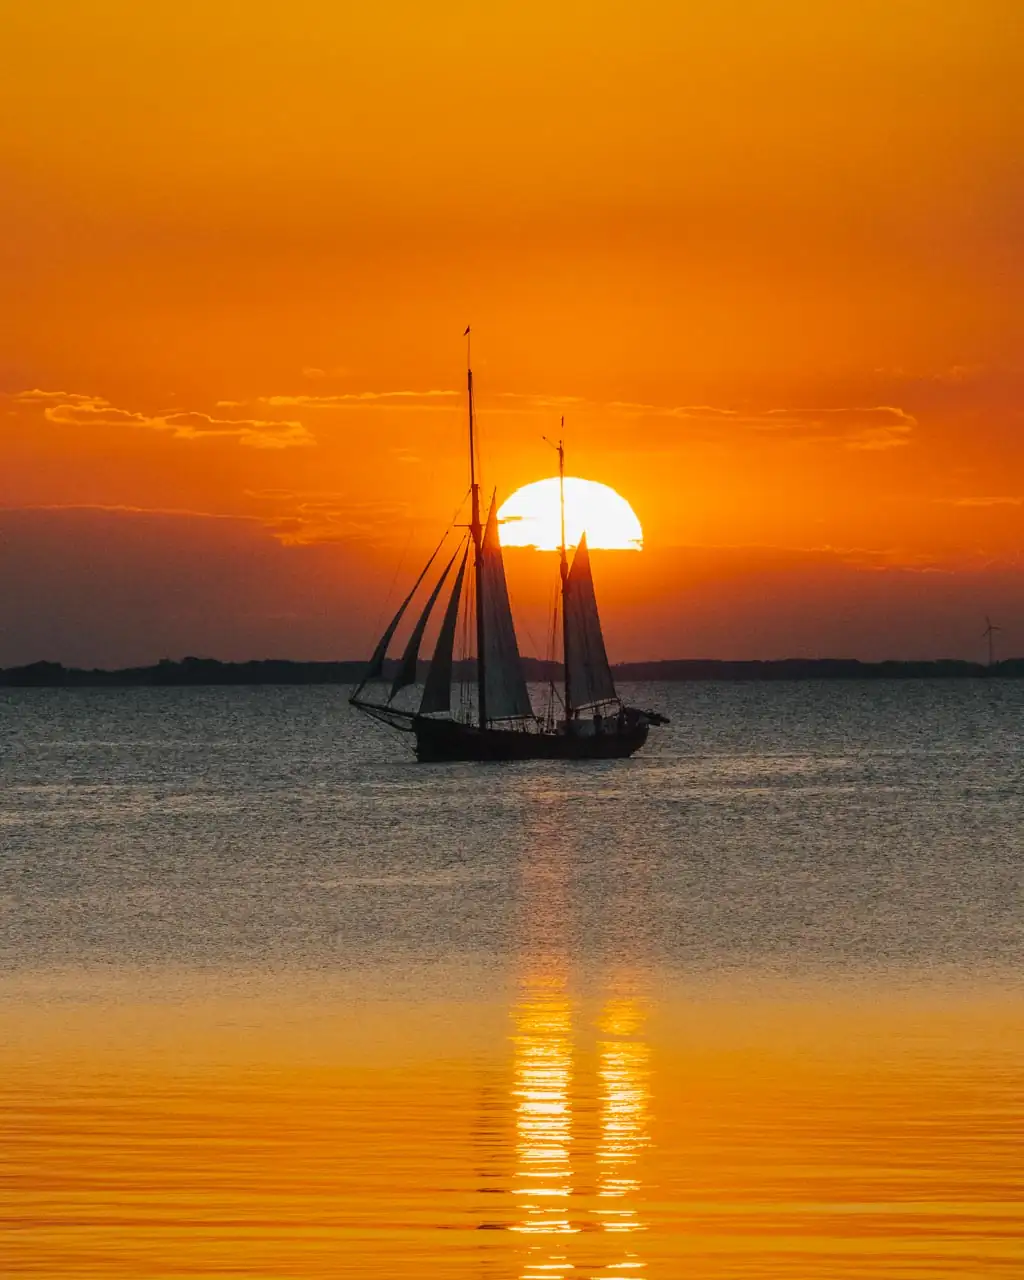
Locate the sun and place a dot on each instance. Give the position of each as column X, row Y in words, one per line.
column 530, row 517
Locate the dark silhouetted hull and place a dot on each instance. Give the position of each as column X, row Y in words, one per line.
column 439, row 740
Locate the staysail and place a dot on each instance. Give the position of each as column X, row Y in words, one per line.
column 588, row 675
column 437, row 693
column 407, row 667
column 376, row 664
column 504, row 684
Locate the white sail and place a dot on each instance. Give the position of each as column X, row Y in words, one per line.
column 375, row 667
column 437, row 693
column 588, row 675
column 407, row 667
column 504, row 684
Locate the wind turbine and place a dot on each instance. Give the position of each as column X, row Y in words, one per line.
column 989, row 633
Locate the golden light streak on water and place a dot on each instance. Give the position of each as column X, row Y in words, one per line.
column 543, row 1071
column 623, row 1068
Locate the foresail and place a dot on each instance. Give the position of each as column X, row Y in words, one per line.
column 407, row 667
column 437, row 693
column 504, row 684
column 588, row 675
column 376, row 664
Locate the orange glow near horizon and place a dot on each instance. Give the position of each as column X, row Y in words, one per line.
column 241, row 247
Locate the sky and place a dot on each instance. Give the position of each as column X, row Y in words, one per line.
column 765, row 256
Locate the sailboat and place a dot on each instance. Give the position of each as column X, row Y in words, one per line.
column 493, row 718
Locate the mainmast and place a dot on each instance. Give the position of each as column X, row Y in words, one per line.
column 563, row 568
column 476, row 529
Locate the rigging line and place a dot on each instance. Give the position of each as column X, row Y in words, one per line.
column 467, row 614
column 382, row 612
column 458, row 509
column 553, row 644
column 525, row 625
column 553, row 611
column 385, row 605
column 531, row 637
column 478, row 451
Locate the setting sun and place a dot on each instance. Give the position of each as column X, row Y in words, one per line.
column 531, row 517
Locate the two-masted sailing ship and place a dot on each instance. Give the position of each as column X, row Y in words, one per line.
column 492, row 717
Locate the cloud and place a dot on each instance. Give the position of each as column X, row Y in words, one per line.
column 76, row 409
column 982, row 502
column 875, row 428
column 362, row 399
column 697, row 412
column 542, row 401
column 882, row 413
column 312, row 525
column 960, row 373
column 952, row 375
column 878, row 438
column 123, row 508
column 293, row 518
column 311, row 371
column 871, row 427
column 865, row 427
column 37, row 396
column 315, row 516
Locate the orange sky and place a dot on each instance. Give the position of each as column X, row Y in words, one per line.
column 766, row 257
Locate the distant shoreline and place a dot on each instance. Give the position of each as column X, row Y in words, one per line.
column 274, row 671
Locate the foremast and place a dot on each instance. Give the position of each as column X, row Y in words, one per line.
column 587, row 672
column 563, row 569
column 477, row 534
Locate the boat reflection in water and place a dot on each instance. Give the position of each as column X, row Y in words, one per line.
column 581, row 1110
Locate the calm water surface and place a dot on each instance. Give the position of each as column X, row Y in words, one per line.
column 277, row 1001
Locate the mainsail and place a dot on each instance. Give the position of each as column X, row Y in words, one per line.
column 588, row 675
column 504, row 684
column 437, row 694
column 407, row 667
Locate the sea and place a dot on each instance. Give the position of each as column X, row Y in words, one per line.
column 278, row 1001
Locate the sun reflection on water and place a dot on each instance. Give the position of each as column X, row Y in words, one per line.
column 624, row 1073
column 580, row 1097
column 543, row 1107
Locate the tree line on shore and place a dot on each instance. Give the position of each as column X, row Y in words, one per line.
column 210, row 671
